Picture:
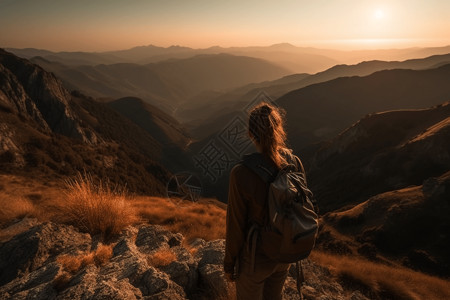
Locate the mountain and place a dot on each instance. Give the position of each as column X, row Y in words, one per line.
column 51, row 133
column 198, row 110
column 217, row 71
column 295, row 59
column 320, row 111
column 68, row 58
column 167, row 83
column 382, row 152
column 115, row 81
column 383, row 188
column 409, row 226
column 165, row 128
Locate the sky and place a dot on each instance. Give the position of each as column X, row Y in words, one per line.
column 102, row 25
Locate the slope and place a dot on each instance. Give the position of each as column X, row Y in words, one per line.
column 51, row 134
column 199, row 109
column 382, row 152
column 318, row 112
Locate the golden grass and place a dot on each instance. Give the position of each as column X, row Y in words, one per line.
column 73, row 263
column 96, row 207
column 162, row 257
column 193, row 220
column 16, row 208
column 384, row 281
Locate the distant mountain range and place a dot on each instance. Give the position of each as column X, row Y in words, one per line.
column 316, row 112
column 295, row 59
column 205, row 108
column 166, row 83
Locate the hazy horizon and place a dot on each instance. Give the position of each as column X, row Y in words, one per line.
column 97, row 26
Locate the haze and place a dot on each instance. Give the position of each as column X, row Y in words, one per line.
column 109, row 25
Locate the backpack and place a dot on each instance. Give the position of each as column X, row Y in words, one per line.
column 291, row 223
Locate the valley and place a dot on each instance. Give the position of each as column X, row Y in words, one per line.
column 371, row 127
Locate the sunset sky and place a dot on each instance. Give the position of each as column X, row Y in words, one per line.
column 99, row 25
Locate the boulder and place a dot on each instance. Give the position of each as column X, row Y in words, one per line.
column 38, row 246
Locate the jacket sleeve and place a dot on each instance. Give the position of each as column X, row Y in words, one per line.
column 236, row 221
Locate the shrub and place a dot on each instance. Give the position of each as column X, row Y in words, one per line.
column 96, row 207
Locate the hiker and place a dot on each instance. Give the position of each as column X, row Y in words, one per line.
column 256, row 277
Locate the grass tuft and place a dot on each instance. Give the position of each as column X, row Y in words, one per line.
column 96, row 207
column 73, row 263
column 161, row 258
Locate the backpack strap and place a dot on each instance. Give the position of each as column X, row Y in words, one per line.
column 261, row 166
column 300, row 277
column 267, row 172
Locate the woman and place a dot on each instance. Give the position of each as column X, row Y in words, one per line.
column 260, row 278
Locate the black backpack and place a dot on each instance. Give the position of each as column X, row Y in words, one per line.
column 291, row 225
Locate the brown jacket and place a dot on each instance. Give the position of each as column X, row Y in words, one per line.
column 246, row 196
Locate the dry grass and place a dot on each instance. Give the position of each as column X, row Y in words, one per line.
column 162, row 257
column 73, row 263
column 382, row 281
column 193, row 220
column 96, row 207
column 16, row 208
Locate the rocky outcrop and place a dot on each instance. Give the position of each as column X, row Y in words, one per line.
column 28, row 89
column 30, row 267
column 38, row 246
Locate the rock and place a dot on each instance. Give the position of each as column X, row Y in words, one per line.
column 212, row 253
column 38, row 246
column 197, row 243
column 30, row 268
column 18, row 227
column 35, row 285
column 210, row 268
column 151, row 238
column 183, row 271
column 213, row 279
column 88, row 284
column 40, row 95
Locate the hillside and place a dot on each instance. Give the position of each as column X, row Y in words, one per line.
column 320, row 111
column 217, row 71
column 115, row 81
column 199, row 110
column 48, row 132
column 409, row 226
column 164, row 84
column 164, row 128
column 382, row 152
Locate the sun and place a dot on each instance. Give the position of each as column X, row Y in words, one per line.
column 378, row 14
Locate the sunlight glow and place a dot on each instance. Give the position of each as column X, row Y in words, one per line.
column 379, row 14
